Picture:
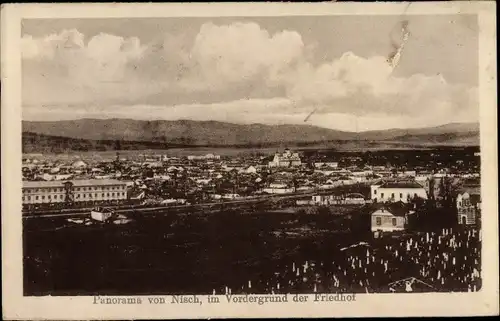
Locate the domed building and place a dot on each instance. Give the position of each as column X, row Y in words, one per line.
column 79, row 164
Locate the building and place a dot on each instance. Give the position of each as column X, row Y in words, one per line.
column 326, row 199
column 397, row 191
column 468, row 206
column 285, row 159
column 326, row 164
column 390, row 218
column 425, row 182
column 40, row 192
column 79, row 164
column 204, row 157
column 251, row 170
column 355, row 198
column 278, row 188
column 352, row 199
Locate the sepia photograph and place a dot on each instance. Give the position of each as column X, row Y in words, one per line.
column 252, row 159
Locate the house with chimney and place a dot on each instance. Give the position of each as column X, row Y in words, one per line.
column 391, row 217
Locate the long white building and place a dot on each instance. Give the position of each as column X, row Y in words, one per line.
column 39, row 192
column 397, row 191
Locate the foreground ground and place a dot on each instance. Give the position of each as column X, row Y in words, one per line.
column 245, row 252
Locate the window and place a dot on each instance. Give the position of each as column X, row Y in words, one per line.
column 48, row 197
column 29, row 198
column 394, row 222
column 107, row 194
column 382, row 195
column 375, row 191
column 102, row 194
column 43, row 197
column 392, row 195
column 379, row 221
column 401, row 195
column 36, row 198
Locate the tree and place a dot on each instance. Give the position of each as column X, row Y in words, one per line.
column 148, row 173
column 430, row 192
column 295, row 183
column 234, row 180
column 447, row 192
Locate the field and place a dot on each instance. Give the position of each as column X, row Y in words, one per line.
column 173, row 253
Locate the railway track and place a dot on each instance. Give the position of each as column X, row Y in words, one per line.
column 218, row 205
column 169, row 208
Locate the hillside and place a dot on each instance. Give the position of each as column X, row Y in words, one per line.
column 93, row 134
column 39, row 143
column 185, row 132
column 424, row 133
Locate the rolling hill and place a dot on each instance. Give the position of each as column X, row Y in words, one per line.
column 105, row 134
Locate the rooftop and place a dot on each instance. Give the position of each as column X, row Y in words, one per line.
column 396, row 209
column 81, row 182
column 471, row 190
column 401, row 185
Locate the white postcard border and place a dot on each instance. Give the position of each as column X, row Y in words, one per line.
column 15, row 306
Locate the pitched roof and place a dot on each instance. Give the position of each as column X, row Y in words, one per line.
column 77, row 182
column 471, row 190
column 396, row 209
column 401, row 185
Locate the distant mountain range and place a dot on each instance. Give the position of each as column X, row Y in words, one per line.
column 107, row 133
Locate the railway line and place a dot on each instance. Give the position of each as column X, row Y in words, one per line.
column 169, row 208
column 165, row 209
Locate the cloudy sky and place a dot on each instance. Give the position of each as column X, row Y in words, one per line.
column 254, row 70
